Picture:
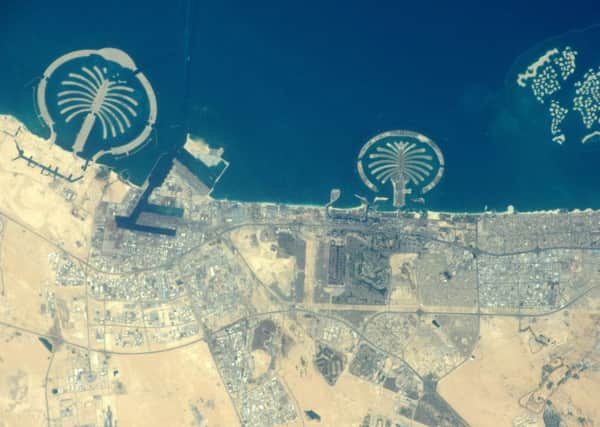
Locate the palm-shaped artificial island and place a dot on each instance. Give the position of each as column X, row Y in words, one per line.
column 105, row 90
column 91, row 94
column 407, row 160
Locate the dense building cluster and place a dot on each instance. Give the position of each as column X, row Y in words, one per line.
column 371, row 291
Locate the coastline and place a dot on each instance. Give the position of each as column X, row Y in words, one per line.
column 510, row 209
column 216, row 115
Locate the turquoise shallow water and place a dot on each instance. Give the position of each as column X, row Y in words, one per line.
column 292, row 91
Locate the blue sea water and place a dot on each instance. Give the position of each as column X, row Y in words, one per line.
column 292, row 90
